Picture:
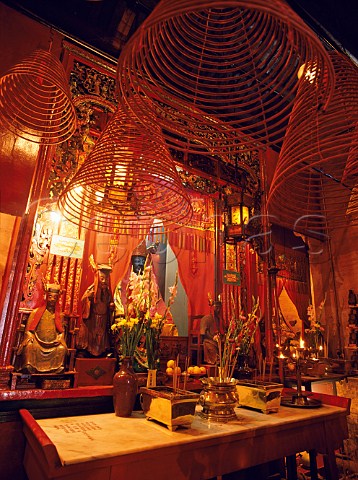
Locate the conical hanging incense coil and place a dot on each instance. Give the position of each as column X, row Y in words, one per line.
column 127, row 181
column 350, row 176
column 318, row 163
column 35, row 101
column 221, row 74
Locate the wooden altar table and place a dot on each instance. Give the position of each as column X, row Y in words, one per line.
column 106, row 447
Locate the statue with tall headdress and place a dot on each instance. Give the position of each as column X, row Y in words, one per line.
column 209, row 328
column 44, row 349
column 94, row 338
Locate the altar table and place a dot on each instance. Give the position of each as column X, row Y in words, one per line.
column 106, row 447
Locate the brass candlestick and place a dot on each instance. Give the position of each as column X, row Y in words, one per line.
column 300, row 399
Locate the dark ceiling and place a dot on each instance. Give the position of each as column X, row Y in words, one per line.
column 106, row 25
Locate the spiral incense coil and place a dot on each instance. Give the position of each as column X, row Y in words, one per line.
column 128, row 181
column 35, row 101
column 220, row 75
column 314, row 184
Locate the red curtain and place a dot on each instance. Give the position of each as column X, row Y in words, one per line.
column 102, row 247
column 195, row 266
column 298, row 293
column 194, row 248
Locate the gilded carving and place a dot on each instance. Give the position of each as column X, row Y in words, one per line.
column 92, row 115
column 291, row 264
column 86, row 80
column 38, row 256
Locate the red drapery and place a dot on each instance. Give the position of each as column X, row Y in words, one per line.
column 102, row 246
column 298, row 293
column 196, row 266
column 194, row 248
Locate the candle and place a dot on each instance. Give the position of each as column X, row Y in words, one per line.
column 302, row 343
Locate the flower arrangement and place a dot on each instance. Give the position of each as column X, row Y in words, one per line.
column 237, row 339
column 154, row 327
column 141, row 318
column 315, row 332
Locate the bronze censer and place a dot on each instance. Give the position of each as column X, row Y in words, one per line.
column 219, row 399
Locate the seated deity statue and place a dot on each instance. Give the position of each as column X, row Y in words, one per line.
column 209, row 327
column 44, row 349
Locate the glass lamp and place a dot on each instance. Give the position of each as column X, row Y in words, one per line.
column 237, row 216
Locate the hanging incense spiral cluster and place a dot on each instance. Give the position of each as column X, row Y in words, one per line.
column 35, row 101
column 318, row 163
column 219, row 76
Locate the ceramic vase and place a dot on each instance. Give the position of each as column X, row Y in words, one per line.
column 243, row 371
column 352, row 298
column 125, row 387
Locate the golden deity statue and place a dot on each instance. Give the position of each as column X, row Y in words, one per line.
column 44, row 349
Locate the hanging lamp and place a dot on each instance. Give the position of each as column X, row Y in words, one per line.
column 128, row 184
column 35, row 101
column 219, row 76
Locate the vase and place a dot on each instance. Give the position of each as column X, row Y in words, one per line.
column 125, row 387
column 243, row 371
column 352, row 298
column 219, row 399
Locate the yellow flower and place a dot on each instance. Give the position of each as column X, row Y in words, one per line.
column 141, row 316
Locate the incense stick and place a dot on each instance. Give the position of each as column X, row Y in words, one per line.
column 186, row 372
column 175, row 374
column 264, row 369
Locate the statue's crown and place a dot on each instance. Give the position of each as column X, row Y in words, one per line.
column 140, row 250
column 104, row 267
column 53, row 287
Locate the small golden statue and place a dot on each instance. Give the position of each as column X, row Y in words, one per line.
column 44, row 349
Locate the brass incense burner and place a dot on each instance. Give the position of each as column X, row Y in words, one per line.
column 219, row 399
column 172, row 407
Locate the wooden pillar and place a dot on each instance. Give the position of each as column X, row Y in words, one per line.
column 219, row 254
column 12, row 296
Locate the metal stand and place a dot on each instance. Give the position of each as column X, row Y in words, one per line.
column 300, row 399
